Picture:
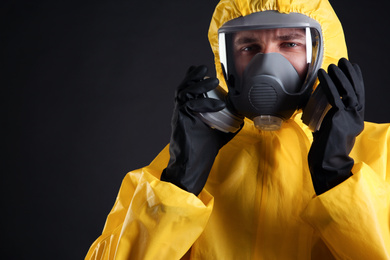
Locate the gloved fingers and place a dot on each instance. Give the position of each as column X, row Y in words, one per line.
column 202, row 86
column 196, row 73
column 358, row 71
column 329, row 88
column 360, row 92
column 349, row 71
column 193, row 90
column 204, row 105
column 354, row 74
column 191, row 68
column 344, row 85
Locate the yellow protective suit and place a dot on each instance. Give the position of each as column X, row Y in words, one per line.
column 259, row 201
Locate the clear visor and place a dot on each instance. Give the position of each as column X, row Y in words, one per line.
column 300, row 46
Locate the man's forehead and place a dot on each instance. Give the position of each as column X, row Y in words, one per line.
column 279, row 32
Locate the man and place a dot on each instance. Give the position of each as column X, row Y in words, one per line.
column 252, row 193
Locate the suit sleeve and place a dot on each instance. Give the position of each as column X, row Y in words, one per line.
column 353, row 218
column 151, row 219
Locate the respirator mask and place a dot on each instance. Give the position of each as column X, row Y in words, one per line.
column 270, row 63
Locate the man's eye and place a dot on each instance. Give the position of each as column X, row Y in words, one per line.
column 290, row 44
column 251, row 48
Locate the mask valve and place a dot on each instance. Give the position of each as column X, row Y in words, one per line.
column 268, row 122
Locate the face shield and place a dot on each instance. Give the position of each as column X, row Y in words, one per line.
column 270, row 62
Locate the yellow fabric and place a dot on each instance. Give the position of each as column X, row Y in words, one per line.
column 259, row 202
column 145, row 211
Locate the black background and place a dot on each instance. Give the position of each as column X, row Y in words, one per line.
column 87, row 94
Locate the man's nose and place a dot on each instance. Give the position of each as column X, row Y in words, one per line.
column 268, row 48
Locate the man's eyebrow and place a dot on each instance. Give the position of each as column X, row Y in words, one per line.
column 290, row 36
column 245, row 40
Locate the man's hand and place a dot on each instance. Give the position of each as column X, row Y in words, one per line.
column 329, row 160
column 193, row 144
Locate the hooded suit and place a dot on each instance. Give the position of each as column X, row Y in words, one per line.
column 259, row 201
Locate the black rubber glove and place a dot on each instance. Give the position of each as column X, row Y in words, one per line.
column 329, row 160
column 193, row 145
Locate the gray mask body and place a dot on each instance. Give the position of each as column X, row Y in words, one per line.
column 268, row 88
